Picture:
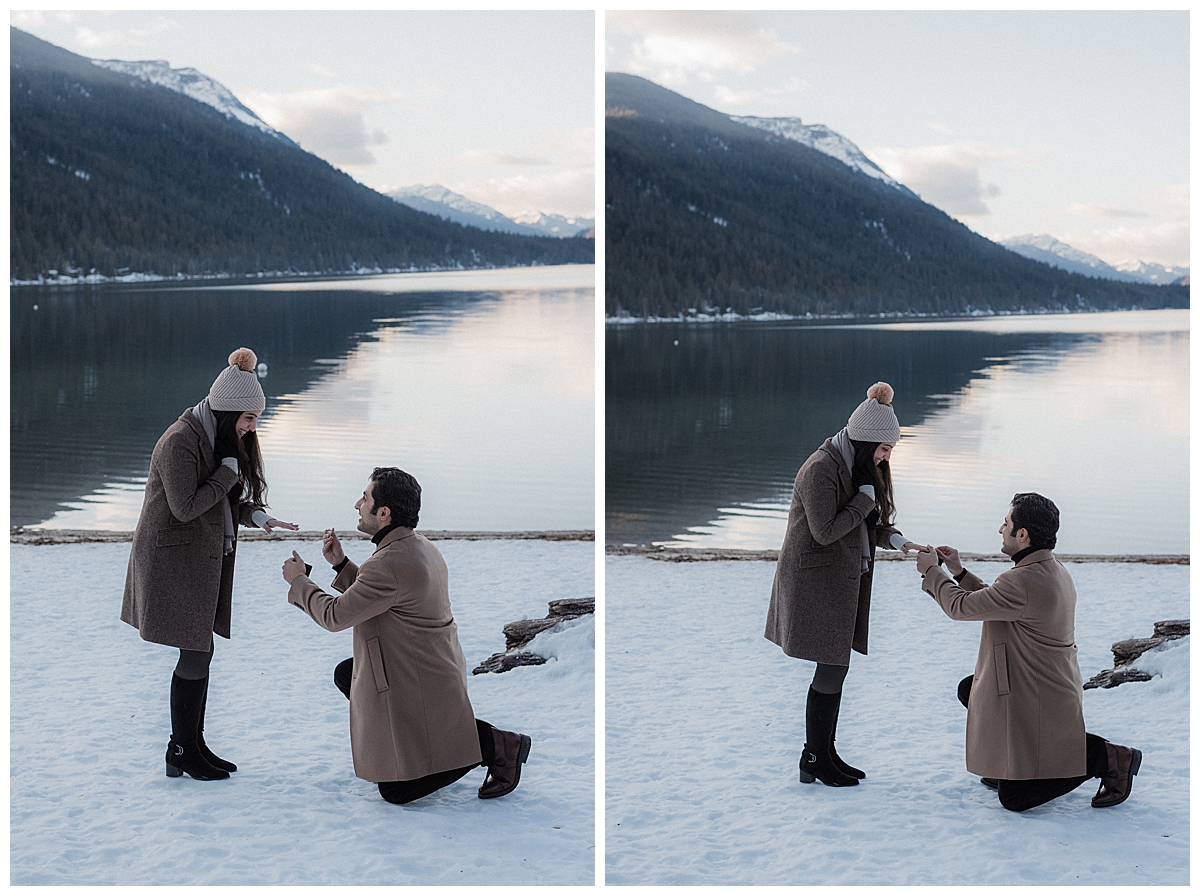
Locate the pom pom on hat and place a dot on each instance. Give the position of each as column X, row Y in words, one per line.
column 881, row 392
column 245, row 359
column 236, row 388
column 874, row 420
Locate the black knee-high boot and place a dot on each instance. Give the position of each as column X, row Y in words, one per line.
column 842, row 767
column 209, row 756
column 183, row 753
column 816, row 763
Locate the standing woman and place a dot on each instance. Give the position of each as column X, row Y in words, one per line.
column 206, row 477
column 842, row 508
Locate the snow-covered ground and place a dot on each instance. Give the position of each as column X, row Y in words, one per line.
column 705, row 720
column 89, row 722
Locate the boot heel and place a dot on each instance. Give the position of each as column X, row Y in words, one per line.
column 173, row 772
column 805, row 777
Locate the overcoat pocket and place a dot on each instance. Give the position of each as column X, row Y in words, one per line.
column 1001, row 669
column 822, row 557
column 373, row 652
column 174, row 536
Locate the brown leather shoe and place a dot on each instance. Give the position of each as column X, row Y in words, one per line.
column 504, row 773
column 1123, row 765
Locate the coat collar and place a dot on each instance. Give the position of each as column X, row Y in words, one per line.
column 206, row 449
column 1036, row 557
column 840, row 462
column 395, row 535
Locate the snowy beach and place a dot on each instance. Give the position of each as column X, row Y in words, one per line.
column 705, row 722
column 89, row 722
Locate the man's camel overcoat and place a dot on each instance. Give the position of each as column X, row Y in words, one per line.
column 1025, row 718
column 409, row 711
column 179, row 584
column 821, row 596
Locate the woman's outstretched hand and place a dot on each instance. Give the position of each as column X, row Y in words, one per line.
column 910, row 546
column 331, row 548
column 270, row 525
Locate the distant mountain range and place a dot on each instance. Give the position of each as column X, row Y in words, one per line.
column 437, row 200
column 125, row 168
column 709, row 213
column 1054, row 252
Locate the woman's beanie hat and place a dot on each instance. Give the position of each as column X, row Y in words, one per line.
column 237, row 388
column 874, row 420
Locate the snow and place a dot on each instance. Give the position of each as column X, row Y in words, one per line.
column 89, row 722
column 194, row 84
column 822, row 139
column 704, row 723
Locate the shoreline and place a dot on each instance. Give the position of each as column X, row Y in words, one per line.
column 21, row 535
column 698, row 555
column 733, row 317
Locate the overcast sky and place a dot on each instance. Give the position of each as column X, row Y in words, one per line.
column 498, row 106
column 1073, row 124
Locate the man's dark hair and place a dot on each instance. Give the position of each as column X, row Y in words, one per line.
column 399, row 492
column 1038, row 516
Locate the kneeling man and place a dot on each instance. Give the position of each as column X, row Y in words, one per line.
column 412, row 728
column 1025, row 733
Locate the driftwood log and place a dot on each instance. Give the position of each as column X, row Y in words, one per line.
column 1125, row 652
column 518, row 634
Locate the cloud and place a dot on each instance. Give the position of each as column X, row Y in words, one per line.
column 946, row 176
column 564, row 191
column 97, row 43
column 491, row 158
column 329, row 123
column 1095, row 210
column 672, row 47
column 1166, row 243
column 727, row 98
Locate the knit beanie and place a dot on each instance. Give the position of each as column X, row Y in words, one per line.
column 874, row 420
column 237, row 388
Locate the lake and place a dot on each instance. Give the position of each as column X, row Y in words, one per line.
column 479, row 383
column 707, row 424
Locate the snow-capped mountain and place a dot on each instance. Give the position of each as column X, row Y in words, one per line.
column 437, row 200
column 194, row 84
column 1045, row 248
column 822, row 139
column 555, row 225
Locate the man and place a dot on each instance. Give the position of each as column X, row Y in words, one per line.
column 412, row 728
column 1025, row 733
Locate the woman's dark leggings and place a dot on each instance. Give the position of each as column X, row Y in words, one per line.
column 193, row 664
column 401, row 792
column 1021, row 795
column 828, row 678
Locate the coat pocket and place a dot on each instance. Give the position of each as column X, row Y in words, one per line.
column 376, row 656
column 822, row 557
column 1001, row 662
column 174, row 536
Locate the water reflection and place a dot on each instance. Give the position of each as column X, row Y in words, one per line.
column 488, row 394
column 706, row 426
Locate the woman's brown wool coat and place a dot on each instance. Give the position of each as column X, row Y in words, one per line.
column 820, row 601
column 179, row 585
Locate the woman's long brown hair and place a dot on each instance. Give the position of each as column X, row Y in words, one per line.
column 249, row 457
column 880, row 476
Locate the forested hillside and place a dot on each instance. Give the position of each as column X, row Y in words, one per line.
column 113, row 174
column 705, row 213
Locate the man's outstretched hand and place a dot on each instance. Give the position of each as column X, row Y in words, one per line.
column 950, row 557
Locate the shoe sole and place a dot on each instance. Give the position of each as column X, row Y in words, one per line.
column 175, row 772
column 808, row 778
column 522, row 758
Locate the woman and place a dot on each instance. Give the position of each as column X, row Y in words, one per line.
column 842, row 508
column 206, row 477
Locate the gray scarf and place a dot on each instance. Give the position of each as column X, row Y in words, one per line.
column 842, row 443
column 204, row 414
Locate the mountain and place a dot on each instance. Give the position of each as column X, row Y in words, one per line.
column 1042, row 247
column 704, row 211
column 437, row 200
column 112, row 172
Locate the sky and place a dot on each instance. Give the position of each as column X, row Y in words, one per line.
column 497, row 106
column 1072, row 124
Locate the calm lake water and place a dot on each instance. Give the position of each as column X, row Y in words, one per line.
column 707, row 425
column 481, row 384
